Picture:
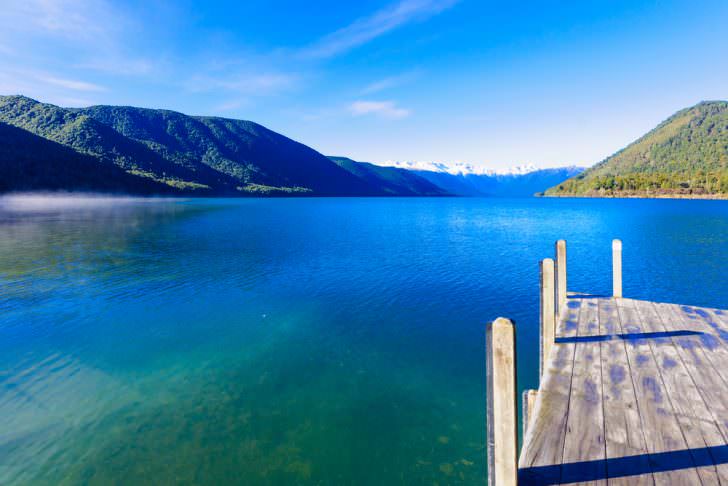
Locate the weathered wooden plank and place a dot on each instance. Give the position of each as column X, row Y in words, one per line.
column 715, row 319
column 692, row 414
column 719, row 318
column 622, row 422
column 660, row 425
column 542, row 453
column 660, row 407
column 585, row 423
column 706, row 350
column 714, row 342
column 697, row 352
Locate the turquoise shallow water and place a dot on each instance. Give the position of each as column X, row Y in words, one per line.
column 296, row 341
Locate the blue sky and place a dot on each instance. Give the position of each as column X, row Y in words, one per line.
column 490, row 83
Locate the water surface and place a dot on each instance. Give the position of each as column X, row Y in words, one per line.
column 296, row 341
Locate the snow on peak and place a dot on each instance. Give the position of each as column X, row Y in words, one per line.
column 457, row 168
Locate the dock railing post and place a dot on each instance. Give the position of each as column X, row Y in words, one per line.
column 617, row 268
column 502, row 408
column 561, row 277
column 548, row 311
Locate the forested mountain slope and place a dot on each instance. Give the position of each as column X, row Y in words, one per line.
column 686, row 155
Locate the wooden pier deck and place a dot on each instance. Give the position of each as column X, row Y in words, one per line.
column 631, row 392
column 634, row 392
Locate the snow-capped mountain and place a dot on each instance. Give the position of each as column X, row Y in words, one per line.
column 463, row 179
column 460, row 168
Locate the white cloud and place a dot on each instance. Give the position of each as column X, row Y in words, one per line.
column 73, row 19
column 46, row 87
column 389, row 83
column 70, row 84
column 383, row 109
column 381, row 22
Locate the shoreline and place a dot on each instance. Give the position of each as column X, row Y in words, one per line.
column 709, row 197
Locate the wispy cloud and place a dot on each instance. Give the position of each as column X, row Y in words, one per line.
column 73, row 84
column 381, row 22
column 73, row 19
column 383, row 109
column 389, row 83
column 47, row 88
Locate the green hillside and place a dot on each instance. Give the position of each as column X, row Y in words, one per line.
column 203, row 156
column 254, row 158
column 76, row 130
column 394, row 181
column 684, row 156
column 31, row 163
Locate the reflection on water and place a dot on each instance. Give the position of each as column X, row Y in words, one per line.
column 313, row 341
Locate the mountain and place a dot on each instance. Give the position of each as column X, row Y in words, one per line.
column 32, row 163
column 521, row 181
column 395, row 181
column 257, row 159
column 685, row 155
column 190, row 155
column 82, row 133
column 464, row 168
column 149, row 151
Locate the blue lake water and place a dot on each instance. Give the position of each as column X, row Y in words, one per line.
column 296, row 341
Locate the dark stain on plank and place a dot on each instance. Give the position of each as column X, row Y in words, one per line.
column 590, row 392
column 651, row 385
column 669, row 362
column 617, row 374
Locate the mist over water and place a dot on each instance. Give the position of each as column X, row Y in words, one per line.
column 57, row 201
column 295, row 341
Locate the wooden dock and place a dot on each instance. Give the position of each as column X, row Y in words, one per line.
column 631, row 392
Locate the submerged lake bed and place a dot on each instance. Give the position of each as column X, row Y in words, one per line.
column 296, row 341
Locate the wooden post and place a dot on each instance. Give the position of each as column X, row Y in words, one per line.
column 617, row 268
column 527, row 404
column 502, row 413
column 548, row 311
column 561, row 278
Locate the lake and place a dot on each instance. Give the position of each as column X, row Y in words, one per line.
column 296, row 341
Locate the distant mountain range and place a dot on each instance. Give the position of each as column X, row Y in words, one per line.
column 684, row 156
column 395, row 181
column 463, row 168
column 519, row 181
column 122, row 149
